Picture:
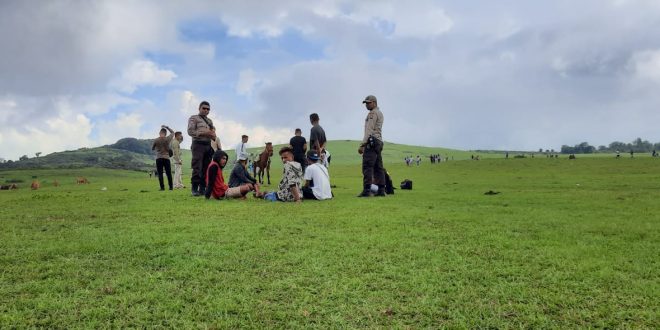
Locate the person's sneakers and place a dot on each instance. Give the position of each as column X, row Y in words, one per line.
column 381, row 193
column 194, row 190
column 365, row 193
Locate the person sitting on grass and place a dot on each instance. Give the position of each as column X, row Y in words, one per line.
column 292, row 175
column 317, row 179
column 240, row 176
column 215, row 181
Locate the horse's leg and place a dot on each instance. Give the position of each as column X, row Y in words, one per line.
column 268, row 173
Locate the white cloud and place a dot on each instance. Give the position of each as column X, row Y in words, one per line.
column 66, row 130
column 646, row 65
column 247, row 80
column 141, row 73
column 125, row 125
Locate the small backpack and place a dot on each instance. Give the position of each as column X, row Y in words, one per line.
column 406, row 184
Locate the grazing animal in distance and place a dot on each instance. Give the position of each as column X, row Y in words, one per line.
column 35, row 185
column 82, row 180
column 263, row 163
column 12, row 186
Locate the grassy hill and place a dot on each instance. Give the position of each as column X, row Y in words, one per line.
column 126, row 154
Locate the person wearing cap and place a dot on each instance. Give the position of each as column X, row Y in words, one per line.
column 371, row 149
column 200, row 128
column 317, row 179
column 242, row 148
column 241, row 177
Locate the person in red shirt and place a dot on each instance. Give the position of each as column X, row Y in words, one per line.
column 215, row 181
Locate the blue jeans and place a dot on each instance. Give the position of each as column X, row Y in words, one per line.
column 271, row 196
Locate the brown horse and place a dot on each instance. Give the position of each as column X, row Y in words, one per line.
column 263, row 162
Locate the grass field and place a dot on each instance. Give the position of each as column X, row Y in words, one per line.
column 565, row 244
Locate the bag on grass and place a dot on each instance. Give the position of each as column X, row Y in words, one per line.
column 406, row 184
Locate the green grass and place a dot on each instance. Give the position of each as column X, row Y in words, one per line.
column 566, row 244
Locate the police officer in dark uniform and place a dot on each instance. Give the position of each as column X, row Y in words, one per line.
column 200, row 128
column 371, row 149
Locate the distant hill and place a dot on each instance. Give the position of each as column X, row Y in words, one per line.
column 127, row 154
column 136, row 154
column 134, row 145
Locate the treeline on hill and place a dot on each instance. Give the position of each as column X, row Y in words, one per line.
column 638, row 145
column 126, row 154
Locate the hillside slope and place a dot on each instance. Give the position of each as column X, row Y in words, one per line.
column 135, row 154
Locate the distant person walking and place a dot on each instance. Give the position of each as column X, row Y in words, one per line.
column 162, row 147
column 317, row 138
column 176, row 155
column 200, row 128
column 299, row 145
column 371, row 149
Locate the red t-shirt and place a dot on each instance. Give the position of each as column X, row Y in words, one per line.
column 219, row 187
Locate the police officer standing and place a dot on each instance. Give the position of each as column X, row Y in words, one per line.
column 201, row 129
column 371, row 149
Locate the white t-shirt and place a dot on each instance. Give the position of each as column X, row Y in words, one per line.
column 242, row 149
column 319, row 175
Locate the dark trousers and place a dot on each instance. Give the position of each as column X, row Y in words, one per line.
column 163, row 165
column 308, row 193
column 302, row 160
column 372, row 165
column 201, row 158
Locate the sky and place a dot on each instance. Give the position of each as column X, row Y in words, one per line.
column 481, row 74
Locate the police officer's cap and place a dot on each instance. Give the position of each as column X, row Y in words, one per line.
column 370, row 98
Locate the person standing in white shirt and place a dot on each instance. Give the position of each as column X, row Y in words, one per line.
column 242, row 148
column 317, row 179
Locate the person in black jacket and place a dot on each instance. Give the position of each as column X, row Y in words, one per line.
column 241, row 177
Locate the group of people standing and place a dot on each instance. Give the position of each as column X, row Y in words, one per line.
column 305, row 172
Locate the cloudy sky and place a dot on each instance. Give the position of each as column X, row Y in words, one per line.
column 505, row 74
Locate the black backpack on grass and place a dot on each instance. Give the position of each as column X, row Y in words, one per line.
column 406, row 184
